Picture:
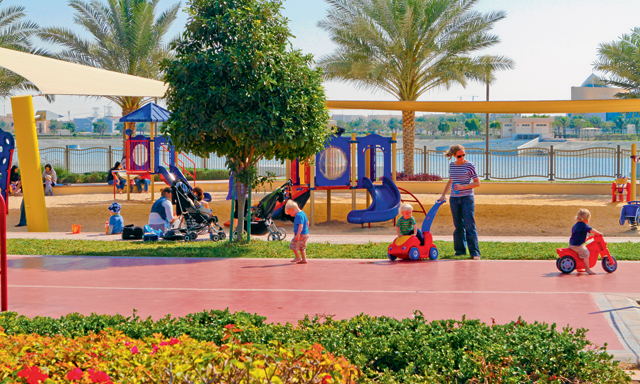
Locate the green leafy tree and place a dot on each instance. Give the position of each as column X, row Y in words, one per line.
column 394, row 124
column 473, row 125
column 55, row 125
column 619, row 61
column 16, row 33
column 620, row 122
column 409, row 47
column 562, row 122
column 238, row 90
column 100, row 126
column 596, row 121
column 70, row 126
column 444, row 127
column 126, row 36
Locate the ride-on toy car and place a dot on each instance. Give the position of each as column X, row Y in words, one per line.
column 569, row 260
column 408, row 247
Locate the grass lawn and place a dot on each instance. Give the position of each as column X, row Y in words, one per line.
column 264, row 249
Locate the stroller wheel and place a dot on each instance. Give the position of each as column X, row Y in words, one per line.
column 222, row 235
column 187, row 238
column 282, row 234
column 273, row 237
column 214, row 237
column 193, row 235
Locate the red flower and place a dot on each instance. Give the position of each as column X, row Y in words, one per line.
column 163, row 343
column 76, row 374
column 230, row 326
column 327, row 379
column 174, row 341
column 155, row 349
column 134, row 350
column 98, row 376
column 33, row 375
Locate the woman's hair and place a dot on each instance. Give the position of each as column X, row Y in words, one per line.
column 291, row 205
column 48, row 166
column 13, row 169
column 404, row 207
column 116, row 165
column 199, row 193
column 583, row 215
column 453, row 150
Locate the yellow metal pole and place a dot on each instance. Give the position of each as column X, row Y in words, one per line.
column 312, row 187
column 288, row 169
column 354, row 174
column 128, row 187
column 29, row 157
column 394, row 157
column 328, row 205
column 152, row 160
column 634, row 153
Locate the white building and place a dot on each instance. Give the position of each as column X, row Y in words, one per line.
column 527, row 127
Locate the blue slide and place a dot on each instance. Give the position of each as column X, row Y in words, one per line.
column 385, row 205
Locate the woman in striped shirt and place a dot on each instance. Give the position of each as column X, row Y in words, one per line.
column 462, row 180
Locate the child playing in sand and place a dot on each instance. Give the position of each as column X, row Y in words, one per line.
column 48, row 191
column 406, row 224
column 116, row 223
column 579, row 237
column 300, row 232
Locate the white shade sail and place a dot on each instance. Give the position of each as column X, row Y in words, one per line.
column 57, row 77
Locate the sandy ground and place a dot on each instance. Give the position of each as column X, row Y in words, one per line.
column 496, row 215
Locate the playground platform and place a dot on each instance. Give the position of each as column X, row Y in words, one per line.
column 500, row 291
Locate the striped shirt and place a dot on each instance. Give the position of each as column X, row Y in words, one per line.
column 462, row 174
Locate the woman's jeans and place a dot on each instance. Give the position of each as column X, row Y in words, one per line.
column 463, row 212
column 143, row 182
column 120, row 184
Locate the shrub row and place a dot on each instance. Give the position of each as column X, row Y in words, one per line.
column 387, row 350
column 401, row 176
column 110, row 357
column 65, row 177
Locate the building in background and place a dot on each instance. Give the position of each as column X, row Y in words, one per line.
column 594, row 89
column 527, row 128
column 43, row 119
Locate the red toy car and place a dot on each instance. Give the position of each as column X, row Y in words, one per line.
column 569, row 260
column 408, row 247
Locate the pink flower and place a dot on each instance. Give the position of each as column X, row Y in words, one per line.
column 134, row 350
column 76, row 374
column 33, row 375
column 98, row 376
column 127, row 343
column 163, row 343
column 155, row 349
column 174, row 341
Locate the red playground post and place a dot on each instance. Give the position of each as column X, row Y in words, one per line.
column 4, row 305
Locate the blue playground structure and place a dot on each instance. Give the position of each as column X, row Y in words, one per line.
column 7, row 145
column 631, row 213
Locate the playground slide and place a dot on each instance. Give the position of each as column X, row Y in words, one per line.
column 169, row 177
column 299, row 195
column 385, row 204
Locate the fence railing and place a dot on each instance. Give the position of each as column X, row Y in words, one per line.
column 529, row 163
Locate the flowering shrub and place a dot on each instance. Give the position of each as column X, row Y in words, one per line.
column 110, row 357
column 401, row 176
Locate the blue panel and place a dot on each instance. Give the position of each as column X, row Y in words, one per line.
column 7, row 145
column 147, row 114
column 334, row 163
column 378, row 143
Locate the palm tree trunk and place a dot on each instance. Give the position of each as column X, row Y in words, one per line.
column 408, row 139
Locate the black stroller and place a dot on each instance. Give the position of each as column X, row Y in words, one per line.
column 261, row 214
column 196, row 221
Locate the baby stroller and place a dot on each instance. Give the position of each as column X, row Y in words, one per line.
column 196, row 221
column 261, row 214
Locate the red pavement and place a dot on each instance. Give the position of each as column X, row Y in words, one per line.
column 500, row 290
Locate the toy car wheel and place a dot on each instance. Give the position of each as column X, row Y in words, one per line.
column 391, row 257
column 214, row 237
column 414, row 253
column 433, row 253
column 282, row 233
column 608, row 266
column 273, row 237
column 566, row 264
column 558, row 264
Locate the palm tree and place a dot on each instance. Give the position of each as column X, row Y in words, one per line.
column 620, row 60
column 408, row 47
column 127, row 37
column 15, row 33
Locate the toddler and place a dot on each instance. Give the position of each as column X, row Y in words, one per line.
column 116, row 223
column 406, row 224
column 300, row 232
column 579, row 237
column 48, row 191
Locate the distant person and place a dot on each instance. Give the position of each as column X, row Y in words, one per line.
column 161, row 216
column 463, row 178
column 579, row 237
column 116, row 223
column 49, row 171
column 48, row 191
column 406, row 225
column 16, row 181
column 143, row 182
column 114, row 178
column 300, row 232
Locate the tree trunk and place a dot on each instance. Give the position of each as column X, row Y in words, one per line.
column 240, row 188
column 408, row 139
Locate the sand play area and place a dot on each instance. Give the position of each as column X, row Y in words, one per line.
column 496, row 215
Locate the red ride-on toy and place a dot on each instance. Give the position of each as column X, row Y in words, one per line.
column 569, row 260
column 408, row 247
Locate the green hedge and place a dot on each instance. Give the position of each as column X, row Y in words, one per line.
column 65, row 177
column 410, row 350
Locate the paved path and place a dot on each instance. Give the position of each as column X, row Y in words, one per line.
column 334, row 239
column 501, row 290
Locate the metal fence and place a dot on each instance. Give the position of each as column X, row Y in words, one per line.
column 530, row 163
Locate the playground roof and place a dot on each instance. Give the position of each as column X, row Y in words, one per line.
column 149, row 113
column 57, row 77
column 538, row 106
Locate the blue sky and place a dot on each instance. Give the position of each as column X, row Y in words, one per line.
column 553, row 42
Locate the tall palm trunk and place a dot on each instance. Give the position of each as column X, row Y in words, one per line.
column 408, row 139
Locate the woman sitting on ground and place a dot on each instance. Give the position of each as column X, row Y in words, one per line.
column 16, row 183
column 49, row 171
column 113, row 178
